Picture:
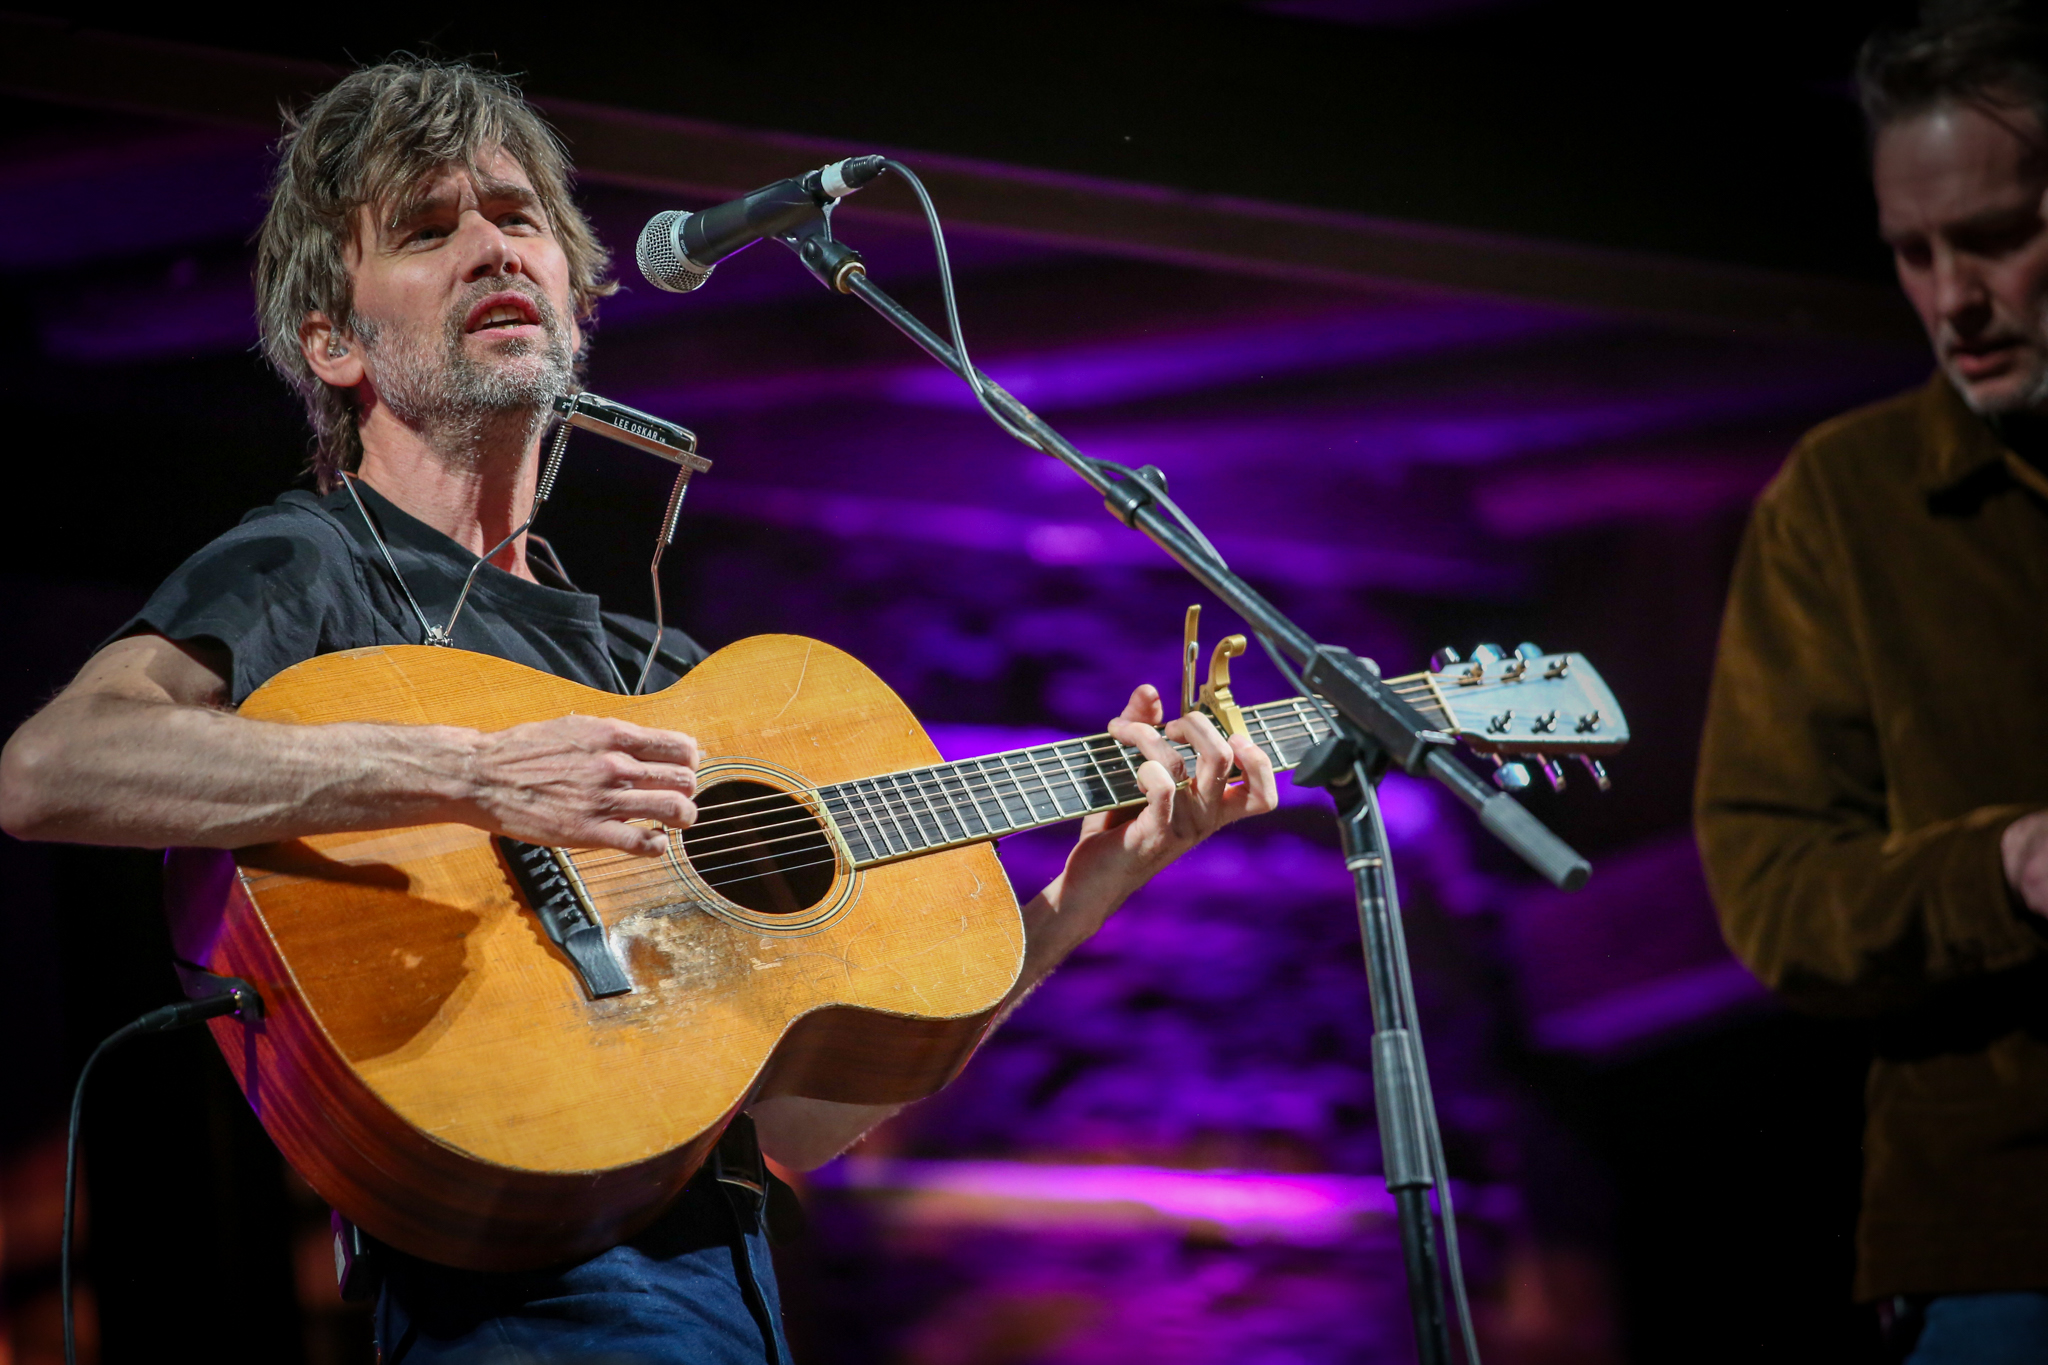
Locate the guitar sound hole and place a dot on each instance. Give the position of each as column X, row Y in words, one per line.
column 759, row 848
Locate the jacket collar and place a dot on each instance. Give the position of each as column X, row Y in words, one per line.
column 1956, row 442
column 1959, row 444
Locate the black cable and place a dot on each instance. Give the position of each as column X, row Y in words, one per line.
column 120, row 1035
column 238, row 996
column 980, row 390
column 967, row 370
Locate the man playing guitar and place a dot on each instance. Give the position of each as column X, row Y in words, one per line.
column 424, row 281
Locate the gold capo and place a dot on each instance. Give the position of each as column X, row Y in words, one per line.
column 1214, row 697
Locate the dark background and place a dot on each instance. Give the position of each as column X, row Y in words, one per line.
column 1664, row 1163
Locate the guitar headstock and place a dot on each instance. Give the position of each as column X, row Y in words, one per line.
column 1529, row 704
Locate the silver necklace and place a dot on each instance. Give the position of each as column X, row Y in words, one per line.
column 431, row 634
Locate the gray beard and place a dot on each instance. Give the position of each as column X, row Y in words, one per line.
column 2032, row 397
column 464, row 407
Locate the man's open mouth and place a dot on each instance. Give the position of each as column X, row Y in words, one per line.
column 501, row 311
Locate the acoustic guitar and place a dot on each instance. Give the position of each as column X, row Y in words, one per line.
column 500, row 1056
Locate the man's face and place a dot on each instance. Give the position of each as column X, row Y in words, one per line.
column 1959, row 200
column 462, row 300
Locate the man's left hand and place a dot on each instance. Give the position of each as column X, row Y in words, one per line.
column 1121, row 850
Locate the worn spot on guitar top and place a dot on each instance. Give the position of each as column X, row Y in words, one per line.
column 645, row 960
column 680, row 963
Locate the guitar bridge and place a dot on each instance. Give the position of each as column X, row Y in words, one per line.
column 554, row 892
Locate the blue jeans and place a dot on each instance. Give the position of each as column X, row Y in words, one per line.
column 1984, row 1329
column 697, row 1288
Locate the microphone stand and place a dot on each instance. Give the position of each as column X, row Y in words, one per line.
column 1374, row 729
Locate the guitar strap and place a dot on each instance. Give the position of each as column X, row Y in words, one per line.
column 751, row 1190
column 738, row 1167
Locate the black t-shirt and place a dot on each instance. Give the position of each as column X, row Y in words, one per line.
column 304, row 577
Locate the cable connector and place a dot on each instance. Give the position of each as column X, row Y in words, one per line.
column 232, row 996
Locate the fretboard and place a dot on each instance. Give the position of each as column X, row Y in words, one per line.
column 900, row 815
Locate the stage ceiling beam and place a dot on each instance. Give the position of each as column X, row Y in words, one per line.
column 44, row 60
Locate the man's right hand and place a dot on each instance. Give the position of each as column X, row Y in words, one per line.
column 578, row 782
column 2024, row 847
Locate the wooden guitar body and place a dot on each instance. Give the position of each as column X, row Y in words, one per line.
column 431, row 1061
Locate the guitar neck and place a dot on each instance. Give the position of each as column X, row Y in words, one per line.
column 899, row 815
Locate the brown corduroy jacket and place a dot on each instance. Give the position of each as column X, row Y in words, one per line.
column 1879, row 715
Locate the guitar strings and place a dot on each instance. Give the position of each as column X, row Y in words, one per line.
column 644, row 871
column 1039, row 756
column 956, row 783
column 1006, row 779
column 1006, row 785
column 874, row 829
column 962, row 782
column 887, row 814
column 870, row 822
column 1037, row 761
column 656, row 873
column 1410, row 688
column 699, row 855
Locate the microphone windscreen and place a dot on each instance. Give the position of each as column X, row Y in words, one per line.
column 661, row 257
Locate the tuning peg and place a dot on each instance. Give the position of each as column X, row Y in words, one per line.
column 1486, row 654
column 1527, row 651
column 1599, row 771
column 1509, row 777
column 1552, row 771
column 1444, row 658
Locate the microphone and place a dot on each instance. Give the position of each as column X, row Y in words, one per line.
column 677, row 249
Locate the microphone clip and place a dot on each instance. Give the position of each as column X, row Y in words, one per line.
column 834, row 262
